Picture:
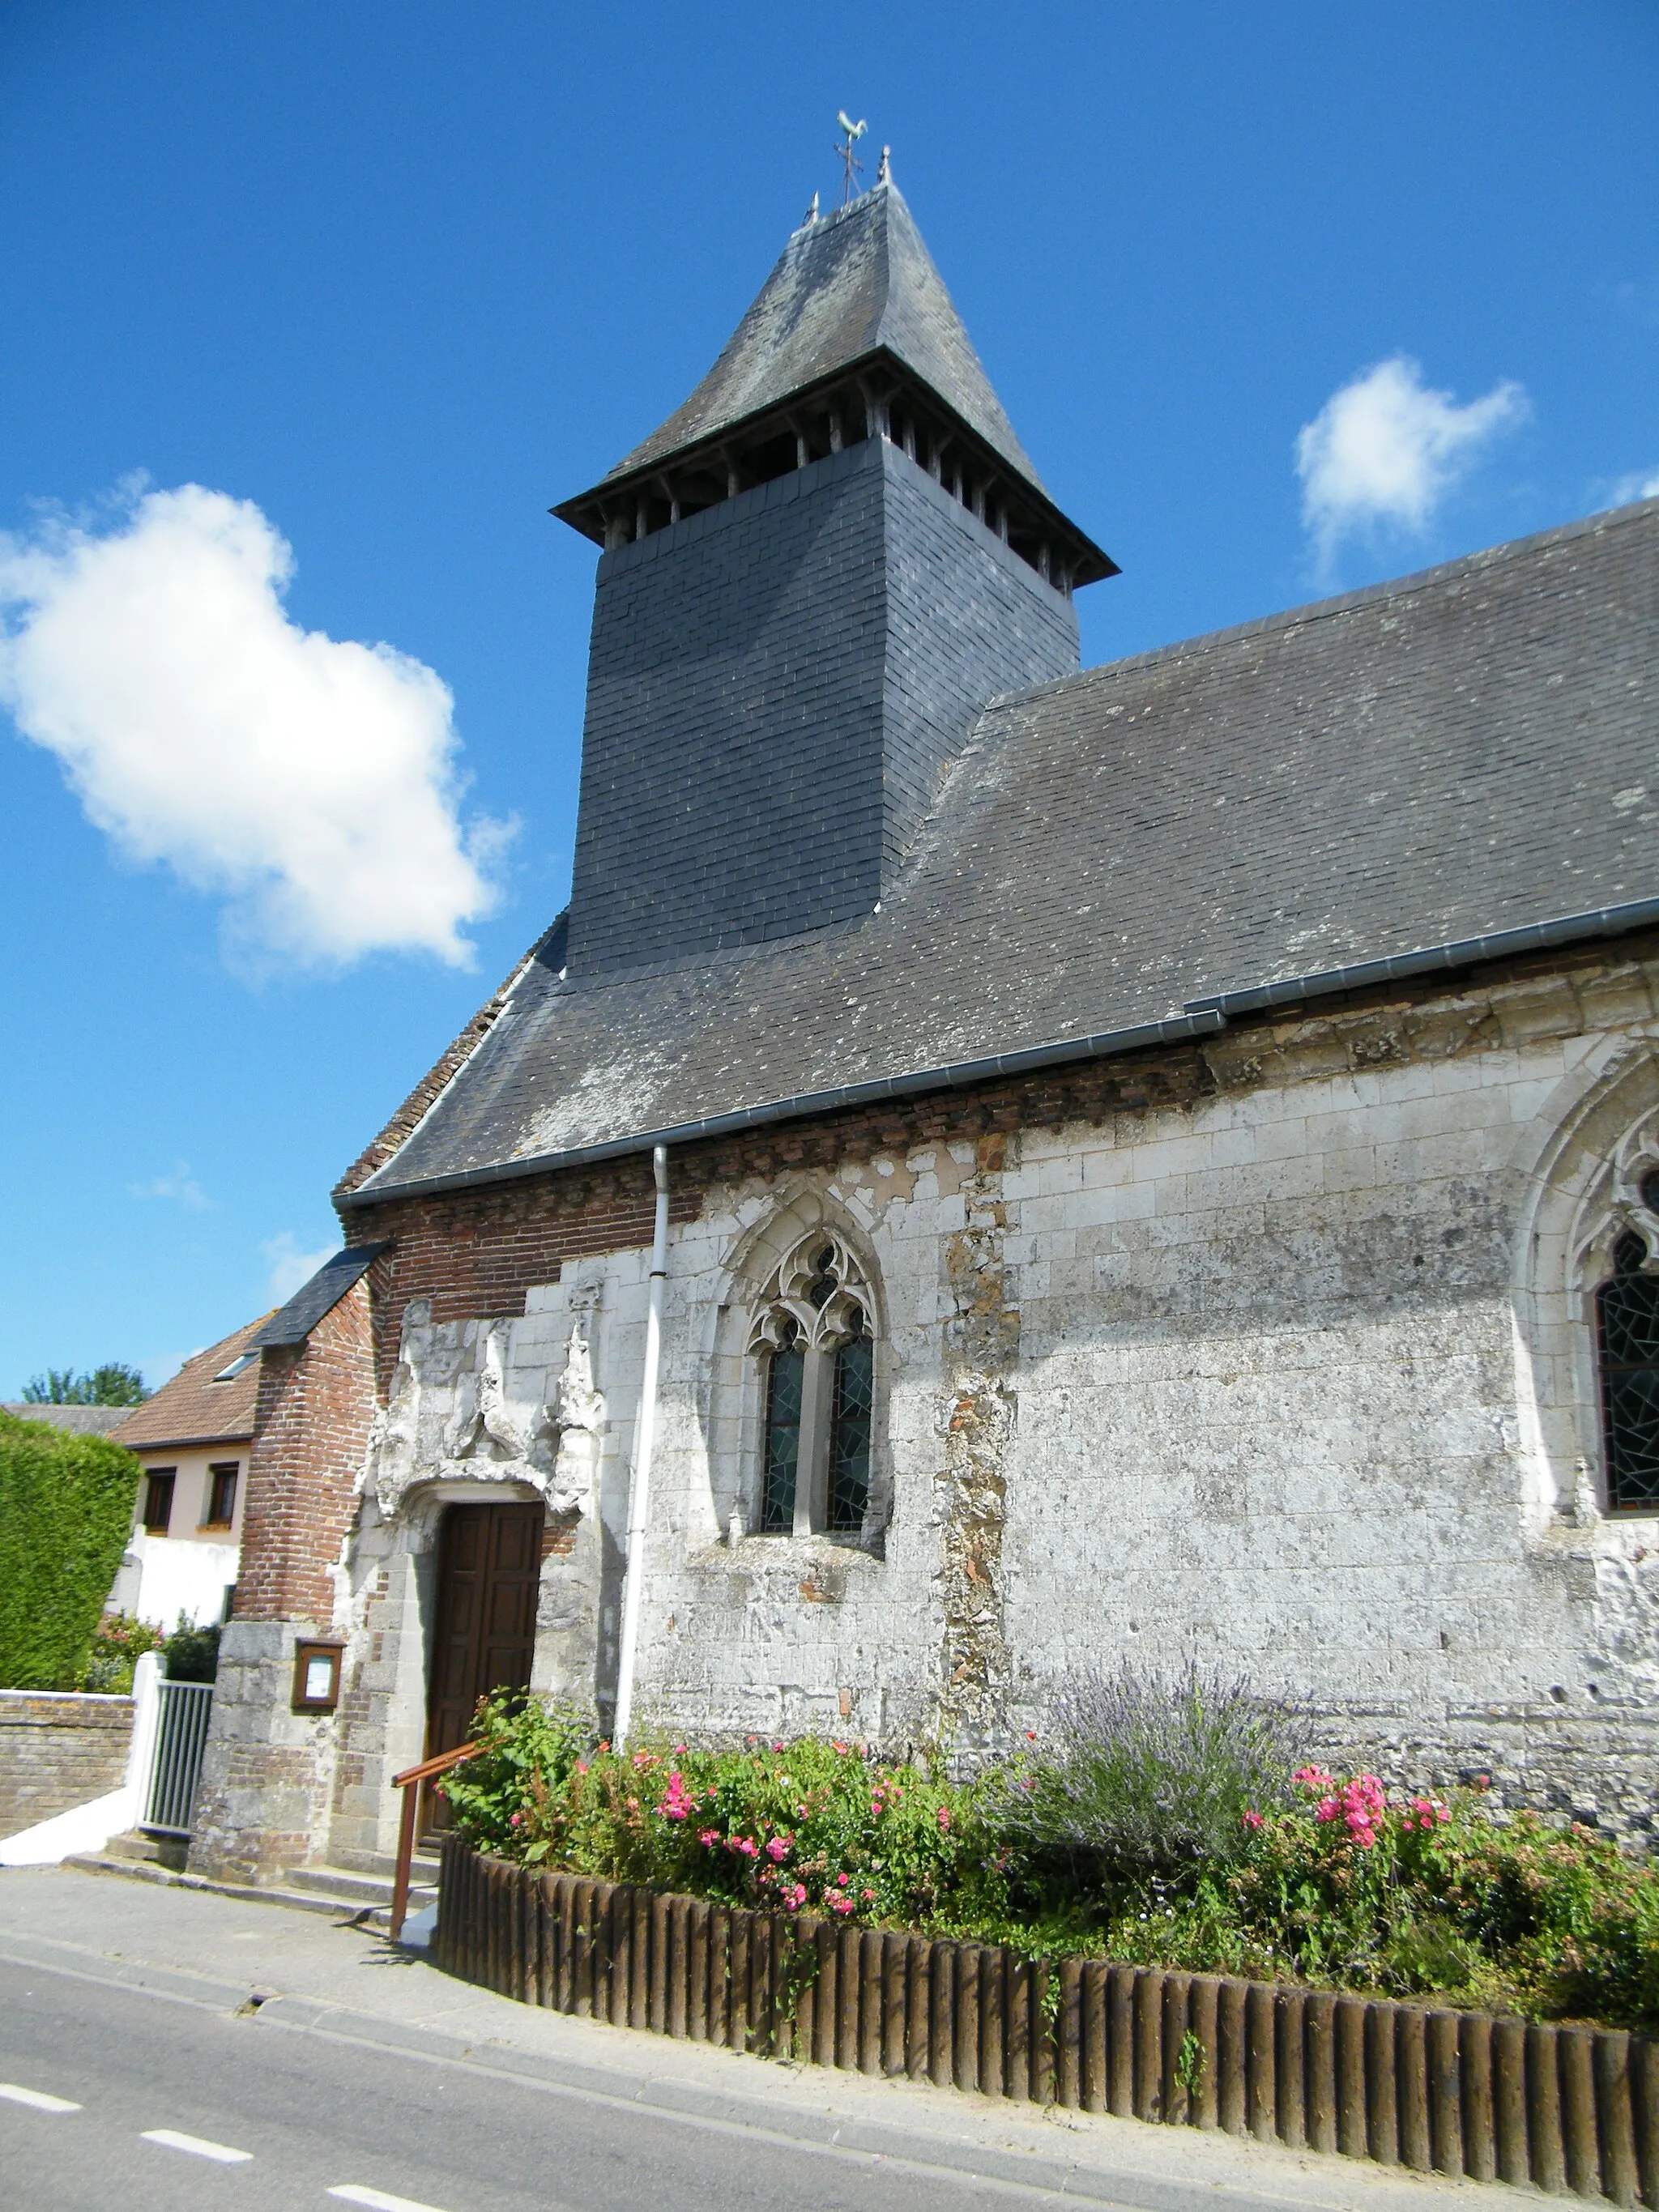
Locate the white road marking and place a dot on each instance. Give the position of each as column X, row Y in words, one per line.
column 378, row 2200
column 170, row 2139
column 37, row 2100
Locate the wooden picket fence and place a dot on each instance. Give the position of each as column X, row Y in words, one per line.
column 1572, row 2111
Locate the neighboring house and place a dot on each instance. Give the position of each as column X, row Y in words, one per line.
column 79, row 1420
column 192, row 1439
column 1160, row 1160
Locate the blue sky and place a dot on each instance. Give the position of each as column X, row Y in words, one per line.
column 1281, row 299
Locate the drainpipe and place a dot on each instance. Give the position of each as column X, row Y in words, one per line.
column 645, row 1437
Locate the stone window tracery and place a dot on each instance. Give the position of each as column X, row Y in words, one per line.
column 1627, row 1353
column 813, row 1335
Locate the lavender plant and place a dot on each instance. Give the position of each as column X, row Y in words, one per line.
column 1143, row 1774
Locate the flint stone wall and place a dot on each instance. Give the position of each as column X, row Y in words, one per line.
column 1272, row 1351
column 1288, row 1376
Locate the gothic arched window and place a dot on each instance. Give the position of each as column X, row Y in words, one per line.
column 1628, row 1345
column 814, row 1338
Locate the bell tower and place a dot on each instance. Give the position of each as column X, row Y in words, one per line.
column 814, row 574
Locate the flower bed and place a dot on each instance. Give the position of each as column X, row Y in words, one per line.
column 1570, row 2110
column 1323, row 1882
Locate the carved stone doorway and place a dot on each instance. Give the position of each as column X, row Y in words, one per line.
column 489, row 1568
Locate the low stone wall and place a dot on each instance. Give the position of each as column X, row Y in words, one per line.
column 1572, row 2111
column 58, row 1749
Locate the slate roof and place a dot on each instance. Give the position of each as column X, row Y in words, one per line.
column 1468, row 750
column 293, row 1322
column 846, row 287
column 194, row 1409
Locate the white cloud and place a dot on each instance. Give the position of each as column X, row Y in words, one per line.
column 291, row 1268
column 1643, row 484
column 311, row 783
column 180, row 1186
column 1385, row 450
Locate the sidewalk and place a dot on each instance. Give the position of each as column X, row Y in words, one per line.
column 306, row 1975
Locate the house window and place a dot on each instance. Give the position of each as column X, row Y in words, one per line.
column 158, row 1500
column 222, row 1495
column 813, row 1337
column 1627, row 1343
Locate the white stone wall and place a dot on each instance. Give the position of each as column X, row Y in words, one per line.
column 1297, row 1380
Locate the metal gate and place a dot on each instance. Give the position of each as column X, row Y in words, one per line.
column 180, row 1738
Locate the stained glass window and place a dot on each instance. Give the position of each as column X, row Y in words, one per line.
column 786, row 1370
column 811, row 1335
column 849, row 1433
column 1627, row 1332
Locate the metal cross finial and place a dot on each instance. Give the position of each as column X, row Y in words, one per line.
column 855, row 132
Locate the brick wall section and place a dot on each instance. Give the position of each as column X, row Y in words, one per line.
column 316, row 1404
column 57, row 1751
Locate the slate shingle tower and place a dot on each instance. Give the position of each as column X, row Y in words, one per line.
column 816, row 573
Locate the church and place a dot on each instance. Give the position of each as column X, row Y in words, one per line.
column 1002, row 1167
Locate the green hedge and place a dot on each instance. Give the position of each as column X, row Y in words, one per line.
column 66, row 1516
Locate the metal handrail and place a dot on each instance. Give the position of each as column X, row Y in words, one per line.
column 409, row 1782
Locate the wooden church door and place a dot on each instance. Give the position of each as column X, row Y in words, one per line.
column 488, row 1569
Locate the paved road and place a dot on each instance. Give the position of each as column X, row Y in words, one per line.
column 334, row 2068
column 150, row 2105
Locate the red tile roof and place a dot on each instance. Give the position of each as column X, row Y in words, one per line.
column 194, row 1409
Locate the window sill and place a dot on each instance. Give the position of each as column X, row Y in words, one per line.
column 214, row 1528
column 843, row 1540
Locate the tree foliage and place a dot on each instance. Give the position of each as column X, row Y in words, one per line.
column 114, row 1383
column 65, row 1514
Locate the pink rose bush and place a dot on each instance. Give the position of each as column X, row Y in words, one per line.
column 808, row 1826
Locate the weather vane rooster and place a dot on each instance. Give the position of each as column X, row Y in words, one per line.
column 851, row 166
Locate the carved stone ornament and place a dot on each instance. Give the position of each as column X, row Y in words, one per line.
column 1619, row 1202
column 488, row 1438
column 818, row 1298
column 579, row 1413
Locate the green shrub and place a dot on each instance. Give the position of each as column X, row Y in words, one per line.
column 808, row 1826
column 65, row 1514
column 1415, row 1897
column 117, row 1644
column 192, row 1654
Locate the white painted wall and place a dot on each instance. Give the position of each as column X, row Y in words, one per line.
column 188, row 1570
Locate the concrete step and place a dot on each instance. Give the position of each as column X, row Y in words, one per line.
column 155, row 1851
column 304, row 1889
column 425, row 1866
column 349, row 1886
